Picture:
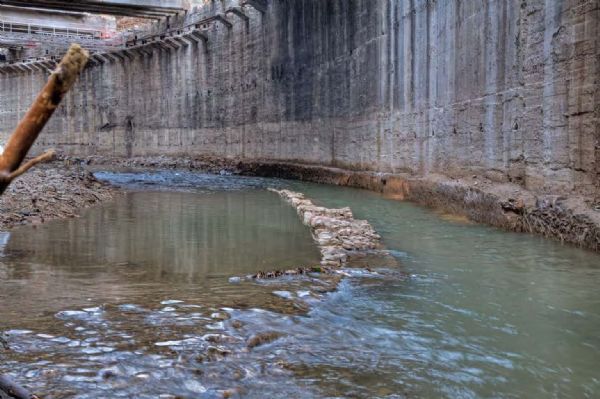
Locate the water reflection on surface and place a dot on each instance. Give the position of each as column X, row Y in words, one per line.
column 133, row 299
column 148, row 241
column 486, row 313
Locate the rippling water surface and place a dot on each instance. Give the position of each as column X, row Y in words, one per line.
column 135, row 298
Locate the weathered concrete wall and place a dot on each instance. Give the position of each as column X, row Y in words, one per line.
column 508, row 89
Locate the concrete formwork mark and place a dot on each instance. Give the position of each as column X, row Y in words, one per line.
column 163, row 45
column 183, row 41
column 199, row 35
column 126, row 54
column 258, row 5
column 113, row 57
column 239, row 12
column 141, row 50
column 171, row 42
column 98, row 58
column 49, row 63
column 217, row 18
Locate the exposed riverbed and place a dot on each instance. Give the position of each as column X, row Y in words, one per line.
column 56, row 190
column 136, row 297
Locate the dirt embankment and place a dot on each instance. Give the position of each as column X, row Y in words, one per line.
column 569, row 219
column 51, row 191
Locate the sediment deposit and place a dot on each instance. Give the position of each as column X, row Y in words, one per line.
column 56, row 190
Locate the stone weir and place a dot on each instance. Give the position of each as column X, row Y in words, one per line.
column 336, row 232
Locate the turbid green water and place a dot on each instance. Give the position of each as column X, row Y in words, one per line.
column 486, row 313
column 126, row 301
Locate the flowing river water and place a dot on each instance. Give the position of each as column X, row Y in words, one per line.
column 138, row 298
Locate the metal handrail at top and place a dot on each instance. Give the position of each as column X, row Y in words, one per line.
column 177, row 31
column 30, row 29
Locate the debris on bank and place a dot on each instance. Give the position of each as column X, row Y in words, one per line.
column 335, row 231
column 338, row 235
column 51, row 191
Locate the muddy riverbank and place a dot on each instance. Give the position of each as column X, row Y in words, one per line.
column 574, row 220
column 51, row 191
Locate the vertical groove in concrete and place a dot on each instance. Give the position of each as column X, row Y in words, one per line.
column 502, row 88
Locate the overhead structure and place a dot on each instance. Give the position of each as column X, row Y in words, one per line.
column 11, row 43
column 34, row 32
column 45, row 23
column 259, row 5
column 54, row 30
column 129, row 8
column 33, row 29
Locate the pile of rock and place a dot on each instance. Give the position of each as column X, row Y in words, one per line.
column 51, row 191
column 336, row 232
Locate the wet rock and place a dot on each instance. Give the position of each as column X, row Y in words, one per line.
column 335, row 231
column 108, row 374
column 194, row 386
column 4, row 343
column 171, row 302
column 280, row 273
column 263, row 338
column 301, row 306
column 290, row 272
column 220, row 316
column 213, row 354
column 338, row 235
column 219, row 338
column 237, row 324
column 230, row 393
column 283, row 294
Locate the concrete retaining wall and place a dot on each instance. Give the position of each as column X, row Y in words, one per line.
column 506, row 89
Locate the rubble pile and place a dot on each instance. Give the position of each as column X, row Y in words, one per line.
column 335, row 231
column 48, row 192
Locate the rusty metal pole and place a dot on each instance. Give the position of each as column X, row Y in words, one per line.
column 21, row 140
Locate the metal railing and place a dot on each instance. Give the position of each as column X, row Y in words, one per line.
column 15, row 35
column 30, row 29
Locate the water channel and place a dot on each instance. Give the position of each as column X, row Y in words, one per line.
column 139, row 298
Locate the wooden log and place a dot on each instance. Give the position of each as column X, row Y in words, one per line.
column 21, row 140
column 14, row 390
